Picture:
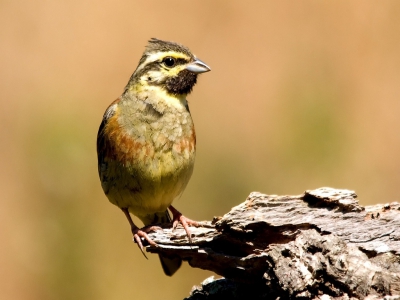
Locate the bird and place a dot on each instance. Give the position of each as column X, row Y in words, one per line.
column 146, row 142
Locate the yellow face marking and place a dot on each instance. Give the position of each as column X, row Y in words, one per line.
column 172, row 71
column 177, row 101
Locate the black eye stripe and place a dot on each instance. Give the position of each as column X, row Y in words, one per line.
column 181, row 61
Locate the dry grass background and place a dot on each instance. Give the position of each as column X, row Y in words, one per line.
column 302, row 94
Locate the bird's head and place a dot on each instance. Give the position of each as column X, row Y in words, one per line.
column 169, row 66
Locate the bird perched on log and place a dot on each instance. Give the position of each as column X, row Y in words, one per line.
column 146, row 143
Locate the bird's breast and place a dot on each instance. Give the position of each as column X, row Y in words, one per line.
column 155, row 147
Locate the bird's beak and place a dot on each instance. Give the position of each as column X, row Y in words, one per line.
column 198, row 67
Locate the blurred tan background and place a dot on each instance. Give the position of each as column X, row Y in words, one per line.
column 301, row 95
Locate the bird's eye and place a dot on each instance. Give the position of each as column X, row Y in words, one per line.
column 169, row 61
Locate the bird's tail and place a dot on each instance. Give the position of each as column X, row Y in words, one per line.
column 170, row 264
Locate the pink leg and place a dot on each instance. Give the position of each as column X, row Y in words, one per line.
column 140, row 233
column 177, row 217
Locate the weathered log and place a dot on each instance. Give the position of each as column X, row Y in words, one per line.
column 318, row 245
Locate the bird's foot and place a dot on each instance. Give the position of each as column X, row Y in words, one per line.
column 177, row 218
column 139, row 233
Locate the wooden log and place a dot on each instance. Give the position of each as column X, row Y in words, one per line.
column 318, row 245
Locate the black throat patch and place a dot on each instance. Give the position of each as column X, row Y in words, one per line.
column 181, row 84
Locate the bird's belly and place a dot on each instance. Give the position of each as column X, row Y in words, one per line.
column 149, row 184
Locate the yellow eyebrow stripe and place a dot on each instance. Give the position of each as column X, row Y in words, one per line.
column 162, row 55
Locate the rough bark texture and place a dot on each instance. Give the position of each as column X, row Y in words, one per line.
column 318, row 245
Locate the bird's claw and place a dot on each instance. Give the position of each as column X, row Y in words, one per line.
column 177, row 218
column 138, row 234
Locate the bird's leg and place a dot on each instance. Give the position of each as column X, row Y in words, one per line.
column 177, row 217
column 140, row 233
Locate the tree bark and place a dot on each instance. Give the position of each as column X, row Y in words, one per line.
column 318, row 245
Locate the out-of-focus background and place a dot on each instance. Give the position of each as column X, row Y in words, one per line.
column 301, row 95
